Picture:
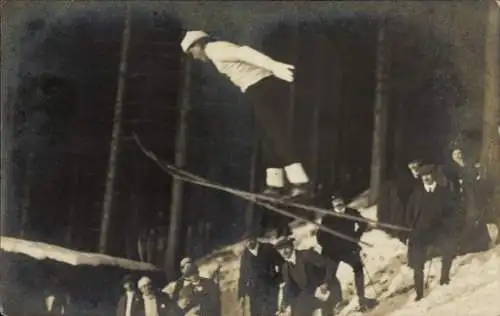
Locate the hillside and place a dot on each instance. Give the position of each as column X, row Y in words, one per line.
column 473, row 291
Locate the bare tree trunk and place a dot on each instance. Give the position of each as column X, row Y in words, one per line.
column 177, row 185
column 73, row 200
column 191, row 233
column 293, row 88
column 490, row 151
column 249, row 213
column 380, row 116
column 134, row 225
column 336, row 139
column 315, row 135
column 26, row 200
column 115, row 137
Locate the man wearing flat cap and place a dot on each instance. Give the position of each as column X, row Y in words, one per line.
column 341, row 250
column 153, row 302
column 260, row 275
column 194, row 294
column 433, row 217
column 265, row 83
column 307, row 278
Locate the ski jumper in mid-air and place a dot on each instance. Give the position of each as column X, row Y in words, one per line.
column 265, row 83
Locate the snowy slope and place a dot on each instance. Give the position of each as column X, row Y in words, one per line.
column 474, row 289
column 40, row 251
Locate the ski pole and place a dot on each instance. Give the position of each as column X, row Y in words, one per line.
column 370, row 279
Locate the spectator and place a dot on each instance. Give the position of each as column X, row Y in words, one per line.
column 434, row 219
column 153, row 302
column 196, row 295
column 306, row 274
column 260, row 277
column 127, row 305
column 464, row 181
column 341, row 250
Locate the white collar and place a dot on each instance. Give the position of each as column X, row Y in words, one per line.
column 430, row 188
column 293, row 258
column 190, row 280
column 255, row 250
column 340, row 211
column 149, row 297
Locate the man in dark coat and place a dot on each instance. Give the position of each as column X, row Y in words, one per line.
column 434, row 219
column 153, row 302
column 341, row 250
column 127, row 305
column 464, row 181
column 307, row 277
column 394, row 197
column 260, row 277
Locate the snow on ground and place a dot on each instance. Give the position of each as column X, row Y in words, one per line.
column 473, row 291
column 40, row 251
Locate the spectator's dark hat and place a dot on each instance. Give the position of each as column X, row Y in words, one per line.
column 426, row 170
column 128, row 279
column 336, row 197
column 250, row 234
column 284, row 242
column 415, row 161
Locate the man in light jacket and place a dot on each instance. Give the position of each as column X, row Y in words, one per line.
column 265, row 83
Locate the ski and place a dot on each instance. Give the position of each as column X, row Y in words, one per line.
column 255, row 196
column 190, row 178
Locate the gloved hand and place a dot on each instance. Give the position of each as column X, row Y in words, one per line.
column 283, row 71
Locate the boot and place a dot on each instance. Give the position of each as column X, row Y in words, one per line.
column 445, row 271
column 418, row 278
column 444, row 281
column 297, row 191
column 274, row 182
column 272, row 191
column 365, row 304
column 299, row 181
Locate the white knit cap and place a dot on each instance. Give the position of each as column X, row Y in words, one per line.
column 190, row 38
column 185, row 261
column 144, row 281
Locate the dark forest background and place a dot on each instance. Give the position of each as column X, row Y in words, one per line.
column 65, row 97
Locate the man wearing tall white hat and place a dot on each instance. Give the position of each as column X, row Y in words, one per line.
column 265, row 82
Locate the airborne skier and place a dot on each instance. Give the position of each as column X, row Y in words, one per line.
column 265, row 83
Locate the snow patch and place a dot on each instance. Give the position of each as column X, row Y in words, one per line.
column 40, row 251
